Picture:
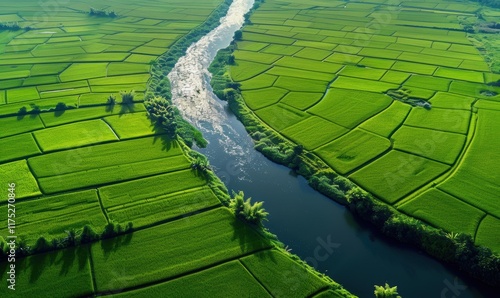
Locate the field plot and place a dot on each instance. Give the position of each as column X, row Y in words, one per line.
column 213, row 230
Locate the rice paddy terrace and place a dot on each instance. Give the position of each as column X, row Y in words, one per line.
column 79, row 159
column 391, row 94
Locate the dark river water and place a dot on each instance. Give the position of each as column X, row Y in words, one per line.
column 314, row 227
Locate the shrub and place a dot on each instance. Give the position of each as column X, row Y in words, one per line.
column 254, row 214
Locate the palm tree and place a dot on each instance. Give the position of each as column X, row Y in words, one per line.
column 386, row 292
column 254, row 214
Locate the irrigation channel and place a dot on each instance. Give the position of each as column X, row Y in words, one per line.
column 317, row 229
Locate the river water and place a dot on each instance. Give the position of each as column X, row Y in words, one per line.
column 314, row 227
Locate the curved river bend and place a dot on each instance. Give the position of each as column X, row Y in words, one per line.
column 314, row 227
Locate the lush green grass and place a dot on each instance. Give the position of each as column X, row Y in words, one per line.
column 280, row 116
column 18, row 172
column 445, row 211
column 111, row 174
column 82, row 71
column 362, row 84
column 452, row 101
column 176, row 246
column 298, row 73
column 387, row 121
column 348, row 108
column 259, row 82
column 260, row 98
column 105, row 155
column 362, row 73
column 440, row 119
column 487, row 233
column 53, row 119
column 25, row 146
column 433, row 144
column 245, row 70
column 476, row 180
column 51, row 217
column 353, row 150
column 286, row 278
column 228, row 279
column 154, row 210
column 74, row 135
column 64, row 273
column 301, row 100
column 396, row 174
column 256, row 57
column 133, row 125
column 426, row 82
column 311, row 132
column 150, row 187
column 298, row 84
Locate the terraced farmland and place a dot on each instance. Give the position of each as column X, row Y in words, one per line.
column 395, row 97
column 87, row 163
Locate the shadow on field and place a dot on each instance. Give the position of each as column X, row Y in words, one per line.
column 166, row 141
column 246, row 236
column 127, row 108
column 112, row 244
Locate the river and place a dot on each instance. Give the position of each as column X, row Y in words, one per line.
column 317, row 229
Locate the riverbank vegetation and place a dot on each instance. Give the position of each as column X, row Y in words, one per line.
column 100, row 170
column 318, row 75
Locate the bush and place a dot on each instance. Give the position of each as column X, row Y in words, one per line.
column 254, row 214
column 162, row 112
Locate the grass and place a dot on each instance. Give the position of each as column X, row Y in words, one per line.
column 301, row 100
column 440, row 119
column 362, row 73
column 385, row 123
column 310, row 132
column 104, row 155
column 426, row 82
column 209, row 283
column 280, row 116
column 433, row 144
column 298, row 84
column 348, row 108
column 433, row 204
column 362, row 84
column 260, row 98
column 64, row 273
column 18, row 172
column 476, row 180
column 51, row 217
column 218, row 232
column 74, row 135
column 286, row 278
column 132, row 125
column 244, row 70
column 25, row 147
column 150, row 187
column 396, row 174
column 256, row 57
column 151, row 211
column 353, row 150
column 487, row 233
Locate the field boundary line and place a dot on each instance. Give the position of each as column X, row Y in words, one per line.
column 111, row 128
column 101, row 205
column 184, row 274
column 477, row 227
column 255, row 277
column 447, row 174
column 320, row 290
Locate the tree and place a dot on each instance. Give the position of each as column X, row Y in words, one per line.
column 386, row 292
column 200, row 164
column 254, row 214
column 238, row 35
column 162, row 112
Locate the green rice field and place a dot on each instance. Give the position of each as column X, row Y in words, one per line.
column 338, row 62
column 84, row 159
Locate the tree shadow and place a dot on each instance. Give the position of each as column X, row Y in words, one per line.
column 248, row 239
column 110, row 108
column 67, row 260
column 59, row 113
column 112, row 244
column 127, row 108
